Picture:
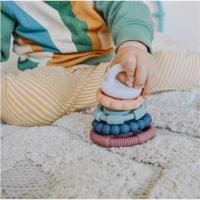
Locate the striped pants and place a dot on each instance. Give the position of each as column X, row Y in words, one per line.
column 40, row 96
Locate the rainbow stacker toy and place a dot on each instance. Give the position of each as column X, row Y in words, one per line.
column 120, row 118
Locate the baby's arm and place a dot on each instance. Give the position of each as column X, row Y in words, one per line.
column 7, row 27
column 132, row 31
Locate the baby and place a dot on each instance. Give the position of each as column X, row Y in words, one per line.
column 65, row 49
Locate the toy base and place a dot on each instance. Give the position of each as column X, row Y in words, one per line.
column 111, row 141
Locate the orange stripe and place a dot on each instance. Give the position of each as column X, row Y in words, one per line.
column 86, row 92
column 70, row 59
column 48, row 82
column 54, row 109
column 177, row 70
column 31, row 102
column 86, row 13
column 35, row 47
column 97, row 29
column 14, row 109
column 46, row 89
column 10, row 116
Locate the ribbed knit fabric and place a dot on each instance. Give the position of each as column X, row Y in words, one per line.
column 177, row 71
column 40, row 96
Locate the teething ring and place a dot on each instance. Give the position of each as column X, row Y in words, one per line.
column 116, row 104
column 115, row 112
column 133, row 126
column 114, row 88
column 110, row 141
column 118, row 117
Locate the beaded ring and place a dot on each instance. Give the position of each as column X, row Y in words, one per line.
column 118, row 104
column 117, row 117
column 111, row 141
column 133, row 126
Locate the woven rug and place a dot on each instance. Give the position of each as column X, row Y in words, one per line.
column 60, row 161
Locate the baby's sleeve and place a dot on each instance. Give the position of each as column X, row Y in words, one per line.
column 7, row 27
column 128, row 20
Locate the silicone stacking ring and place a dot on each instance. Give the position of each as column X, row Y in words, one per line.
column 129, row 126
column 114, row 88
column 115, row 112
column 115, row 117
column 118, row 104
column 110, row 141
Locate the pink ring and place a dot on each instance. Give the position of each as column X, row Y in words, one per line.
column 118, row 104
column 110, row 141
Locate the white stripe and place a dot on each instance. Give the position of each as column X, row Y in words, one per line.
column 22, row 49
column 51, row 98
column 22, row 88
column 41, row 57
column 49, row 84
column 19, row 108
column 12, row 108
column 50, row 19
column 37, row 95
column 44, row 119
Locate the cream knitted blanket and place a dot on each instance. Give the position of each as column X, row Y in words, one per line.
column 60, row 161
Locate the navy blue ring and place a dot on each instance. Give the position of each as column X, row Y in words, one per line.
column 133, row 126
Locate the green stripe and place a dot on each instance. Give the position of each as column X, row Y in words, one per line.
column 7, row 27
column 27, row 64
column 77, row 27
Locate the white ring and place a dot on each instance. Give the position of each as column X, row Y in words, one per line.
column 114, row 88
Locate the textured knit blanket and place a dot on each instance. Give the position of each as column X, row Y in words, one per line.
column 60, row 161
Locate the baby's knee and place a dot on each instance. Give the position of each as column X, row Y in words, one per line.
column 28, row 102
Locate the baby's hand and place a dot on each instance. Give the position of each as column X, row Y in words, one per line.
column 139, row 65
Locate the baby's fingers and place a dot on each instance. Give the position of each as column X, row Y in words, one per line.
column 140, row 76
column 129, row 65
column 122, row 77
column 149, row 84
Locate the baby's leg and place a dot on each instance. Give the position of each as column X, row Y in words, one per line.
column 87, row 80
column 177, row 71
column 34, row 97
column 40, row 96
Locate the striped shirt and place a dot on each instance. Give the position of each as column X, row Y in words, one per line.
column 67, row 33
